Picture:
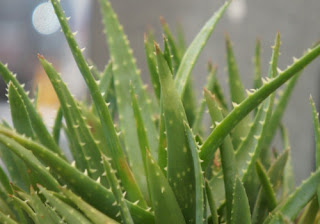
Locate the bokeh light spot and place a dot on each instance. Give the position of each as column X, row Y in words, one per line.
column 44, row 19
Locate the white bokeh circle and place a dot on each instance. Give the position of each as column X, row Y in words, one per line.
column 44, row 20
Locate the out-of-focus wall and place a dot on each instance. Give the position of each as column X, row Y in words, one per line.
column 297, row 21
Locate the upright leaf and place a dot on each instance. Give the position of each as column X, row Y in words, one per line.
column 193, row 51
column 181, row 174
column 226, row 152
column 237, row 94
column 316, row 128
column 165, row 205
column 124, row 69
column 240, row 206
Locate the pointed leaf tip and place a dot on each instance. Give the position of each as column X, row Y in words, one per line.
column 40, row 56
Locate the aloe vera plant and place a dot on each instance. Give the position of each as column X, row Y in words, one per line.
column 139, row 160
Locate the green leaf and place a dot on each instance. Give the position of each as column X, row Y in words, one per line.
column 57, row 125
column 19, row 114
column 80, row 134
column 167, row 53
column 176, row 54
column 141, row 131
column 235, row 116
column 4, row 180
column 91, row 191
column 237, row 92
column 194, row 50
column 162, row 148
column 105, row 80
column 199, row 180
column 125, row 69
column 181, row 174
column 41, row 211
column 266, row 186
column 240, row 206
column 310, row 213
column 152, row 63
column 37, row 123
column 212, row 204
column 293, row 204
column 5, row 219
column 316, row 128
column 165, row 205
column 31, row 161
column 257, row 83
column 117, row 192
column 226, row 152
column 93, row 214
column 119, row 160
column 196, row 126
column 275, row 173
column 70, row 214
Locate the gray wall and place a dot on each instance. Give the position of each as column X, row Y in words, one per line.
column 297, row 20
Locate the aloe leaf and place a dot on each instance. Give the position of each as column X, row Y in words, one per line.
column 86, row 145
column 70, row 214
column 257, row 83
column 141, row 131
column 5, row 193
column 31, row 161
column 92, row 192
column 152, row 63
column 266, row 186
column 226, row 152
column 288, row 176
column 237, row 92
column 217, row 135
column 93, row 214
column 117, row 192
column 125, row 69
column 167, row 53
column 310, row 213
column 57, row 125
column 193, row 51
column 275, row 173
column 199, row 180
column 19, row 114
column 165, row 205
column 4, row 180
column 212, row 205
column 37, row 123
column 196, row 126
column 217, row 90
column 105, row 80
column 162, row 147
column 240, row 206
column 5, row 219
column 316, row 128
column 293, row 204
column 42, row 211
column 14, row 166
column 176, row 54
column 24, row 207
column 181, row 174
column 119, row 161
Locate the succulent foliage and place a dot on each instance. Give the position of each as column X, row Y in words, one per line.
column 138, row 158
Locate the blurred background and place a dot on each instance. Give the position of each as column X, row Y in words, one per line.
column 30, row 27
